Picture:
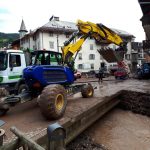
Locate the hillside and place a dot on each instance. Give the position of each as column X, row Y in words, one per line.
column 7, row 38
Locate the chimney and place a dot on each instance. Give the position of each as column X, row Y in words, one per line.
column 56, row 18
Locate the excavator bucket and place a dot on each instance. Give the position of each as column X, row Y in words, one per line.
column 111, row 55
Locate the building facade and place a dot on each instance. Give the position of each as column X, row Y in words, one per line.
column 52, row 36
column 145, row 7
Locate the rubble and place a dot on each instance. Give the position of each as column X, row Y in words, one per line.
column 84, row 142
column 136, row 102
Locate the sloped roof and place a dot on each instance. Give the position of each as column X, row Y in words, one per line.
column 64, row 25
column 121, row 32
column 23, row 27
column 60, row 24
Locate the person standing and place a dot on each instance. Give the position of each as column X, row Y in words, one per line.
column 100, row 75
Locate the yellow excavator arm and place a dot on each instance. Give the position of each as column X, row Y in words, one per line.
column 99, row 32
column 87, row 29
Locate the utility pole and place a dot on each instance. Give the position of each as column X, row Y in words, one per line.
column 57, row 41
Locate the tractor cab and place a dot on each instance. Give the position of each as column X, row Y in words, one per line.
column 47, row 68
column 41, row 57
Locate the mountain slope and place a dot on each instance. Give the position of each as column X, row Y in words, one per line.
column 7, row 38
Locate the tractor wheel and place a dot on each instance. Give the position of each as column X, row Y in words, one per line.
column 22, row 88
column 87, row 91
column 53, row 101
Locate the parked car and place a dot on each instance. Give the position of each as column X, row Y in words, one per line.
column 77, row 74
column 121, row 73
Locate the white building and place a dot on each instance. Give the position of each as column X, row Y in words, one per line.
column 52, row 35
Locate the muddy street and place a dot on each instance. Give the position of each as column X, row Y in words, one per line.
column 107, row 131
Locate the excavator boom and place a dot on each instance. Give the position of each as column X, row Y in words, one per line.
column 99, row 32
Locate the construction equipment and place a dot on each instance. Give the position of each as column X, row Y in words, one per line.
column 87, row 29
column 122, row 71
column 144, row 71
column 51, row 77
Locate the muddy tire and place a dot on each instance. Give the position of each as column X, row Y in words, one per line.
column 53, row 101
column 22, row 88
column 87, row 91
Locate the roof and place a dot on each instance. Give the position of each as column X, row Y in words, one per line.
column 23, row 27
column 122, row 33
column 61, row 25
column 12, row 51
column 65, row 26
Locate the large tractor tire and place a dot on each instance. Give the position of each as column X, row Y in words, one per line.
column 53, row 101
column 3, row 107
column 87, row 91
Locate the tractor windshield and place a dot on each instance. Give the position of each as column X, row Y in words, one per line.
column 3, row 61
column 48, row 58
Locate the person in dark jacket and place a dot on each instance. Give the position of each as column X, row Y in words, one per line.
column 100, row 75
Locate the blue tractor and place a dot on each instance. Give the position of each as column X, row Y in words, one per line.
column 52, row 81
column 48, row 80
column 144, row 71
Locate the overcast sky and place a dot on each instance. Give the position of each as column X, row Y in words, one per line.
column 120, row 14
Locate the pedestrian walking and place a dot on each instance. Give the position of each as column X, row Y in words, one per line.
column 100, row 75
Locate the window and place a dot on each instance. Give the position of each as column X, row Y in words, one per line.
column 38, row 45
column 3, row 61
column 67, row 35
column 48, row 58
column 51, row 34
column 92, row 66
column 90, row 38
column 80, row 66
column 114, row 47
column 140, row 55
column 14, row 61
column 34, row 38
column 80, row 56
column 91, row 57
column 51, row 45
column 91, row 47
column 33, row 47
column 127, row 56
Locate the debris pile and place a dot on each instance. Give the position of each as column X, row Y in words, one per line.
column 84, row 142
column 136, row 102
